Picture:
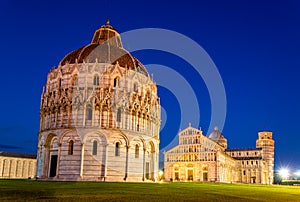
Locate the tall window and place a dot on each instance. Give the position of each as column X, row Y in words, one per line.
column 95, row 147
column 137, row 151
column 116, row 82
column 117, row 149
column 75, row 80
column 96, row 80
column 59, row 83
column 71, row 147
column 119, row 115
column 89, row 112
column 135, row 87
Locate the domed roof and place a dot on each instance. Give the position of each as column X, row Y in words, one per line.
column 216, row 135
column 106, row 47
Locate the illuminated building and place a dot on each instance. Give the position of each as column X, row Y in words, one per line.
column 99, row 116
column 202, row 158
column 17, row 165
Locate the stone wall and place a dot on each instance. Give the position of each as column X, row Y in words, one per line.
column 14, row 167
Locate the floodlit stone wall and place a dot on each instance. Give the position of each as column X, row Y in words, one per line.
column 14, row 167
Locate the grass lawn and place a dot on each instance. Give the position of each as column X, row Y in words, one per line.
column 20, row 190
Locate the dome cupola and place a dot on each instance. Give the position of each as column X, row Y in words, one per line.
column 106, row 33
column 105, row 47
column 218, row 137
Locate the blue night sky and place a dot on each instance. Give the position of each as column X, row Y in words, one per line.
column 254, row 44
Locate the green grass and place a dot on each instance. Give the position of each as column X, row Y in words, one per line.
column 29, row 190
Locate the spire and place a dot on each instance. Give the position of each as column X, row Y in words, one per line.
column 216, row 128
column 107, row 24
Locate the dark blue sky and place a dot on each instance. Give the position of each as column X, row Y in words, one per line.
column 254, row 44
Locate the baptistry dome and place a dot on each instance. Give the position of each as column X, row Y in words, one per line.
column 99, row 115
column 106, row 46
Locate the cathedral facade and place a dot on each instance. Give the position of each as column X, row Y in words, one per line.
column 99, row 116
column 207, row 158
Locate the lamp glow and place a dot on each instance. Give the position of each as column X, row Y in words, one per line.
column 284, row 173
column 160, row 173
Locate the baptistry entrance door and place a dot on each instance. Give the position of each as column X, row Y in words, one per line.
column 53, row 166
column 53, row 158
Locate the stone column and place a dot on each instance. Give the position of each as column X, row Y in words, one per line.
column 1, row 168
column 16, row 169
column 55, row 117
column 84, row 115
column 76, row 117
column 105, row 160
column 58, row 160
column 126, row 165
column 9, row 168
column 156, row 165
column 82, row 160
column 41, row 121
column 49, row 120
column 129, row 121
column 69, row 115
column 107, row 118
column 144, row 162
column 100, row 116
column 22, row 169
column 134, row 123
column 93, row 111
column 28, row 168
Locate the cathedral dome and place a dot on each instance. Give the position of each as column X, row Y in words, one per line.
column 218, row 137
column 105, row 47
column 216, row 134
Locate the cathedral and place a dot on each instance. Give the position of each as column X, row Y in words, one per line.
column 206, row 158
column 99, row 116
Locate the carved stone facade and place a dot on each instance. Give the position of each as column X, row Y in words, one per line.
column 16, row 165
column 202, row 158
column 99, row 116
